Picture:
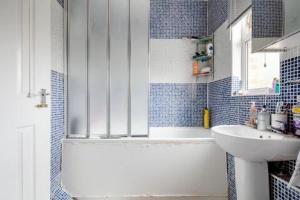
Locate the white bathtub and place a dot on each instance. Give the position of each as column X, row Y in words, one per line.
column 173, row 163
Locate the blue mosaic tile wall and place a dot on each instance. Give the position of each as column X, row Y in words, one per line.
column 217, row 14
column 280, row 191
column 172, row 19
column 236, row 107
column 176, row 104
column 227, row 109
column 231, row 177
column 57, row 121
column 57, row 133
column 267, row 18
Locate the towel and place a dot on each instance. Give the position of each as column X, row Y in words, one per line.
column 295, row 179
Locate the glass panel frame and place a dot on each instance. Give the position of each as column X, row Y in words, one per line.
column 77, row 113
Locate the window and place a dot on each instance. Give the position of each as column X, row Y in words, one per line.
column 253, row 73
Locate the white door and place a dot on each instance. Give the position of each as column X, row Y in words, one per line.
column 25, row 69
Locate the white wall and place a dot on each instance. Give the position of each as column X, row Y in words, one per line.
column 223, row 54
column 171, row 61
column 8, row 71
column 57, row 36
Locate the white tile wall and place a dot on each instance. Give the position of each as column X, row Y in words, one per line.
column 171, row 61
column 223, row 56
column 57, row 32
column 290, row 53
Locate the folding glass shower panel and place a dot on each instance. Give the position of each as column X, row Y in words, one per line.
column 77, row 68
column 119, row 66
column 108, row 73
column 139, row 18
column 98, row 66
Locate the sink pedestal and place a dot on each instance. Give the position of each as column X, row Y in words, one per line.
column 252, row 180
column 252, row 150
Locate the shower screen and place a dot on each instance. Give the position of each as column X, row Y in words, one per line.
column 107, row 67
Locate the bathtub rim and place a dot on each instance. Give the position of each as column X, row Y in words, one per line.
column 144, row 140
column 156, row 135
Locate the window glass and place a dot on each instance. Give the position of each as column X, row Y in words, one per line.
column 262, row 69
column 253, row 73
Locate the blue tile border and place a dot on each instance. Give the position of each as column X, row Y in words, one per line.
column 217, row 14
column 57, row 133
column 231, row 177
column 173, row 19
column 177, row 104
column 57, row 121
column 267, row 18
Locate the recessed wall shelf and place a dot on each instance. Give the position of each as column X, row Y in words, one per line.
column 203, row 58
column 205, row 40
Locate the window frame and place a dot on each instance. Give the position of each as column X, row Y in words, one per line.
column 244, row 65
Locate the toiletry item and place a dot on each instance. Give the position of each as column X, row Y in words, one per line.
column 296, row 118
column 253, row 114
column 196, row 55
column 210, row 49
column 296, row 109
column 274, row 84
column 277, row 88
column 206, row 118
column 296, row 122
column 279, row 122
column 280, row 107
column 263, row 119
column 205, row 70
column 195, row 68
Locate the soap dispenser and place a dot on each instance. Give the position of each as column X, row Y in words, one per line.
column 263, row 119
column 253, row 115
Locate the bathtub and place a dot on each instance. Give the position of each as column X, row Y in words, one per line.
column 173, row 163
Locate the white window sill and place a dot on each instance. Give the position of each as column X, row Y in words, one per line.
column 256, row 92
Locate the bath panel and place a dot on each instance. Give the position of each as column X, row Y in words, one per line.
column 144, row 167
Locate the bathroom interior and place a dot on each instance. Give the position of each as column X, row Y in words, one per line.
column 150, row 100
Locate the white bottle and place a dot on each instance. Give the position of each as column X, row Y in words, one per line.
column 210, row 49
column 263, row 119
column 253, row 114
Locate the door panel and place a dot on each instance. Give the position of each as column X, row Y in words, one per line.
column 8, row 107
column 27, row 162
column 33, row 74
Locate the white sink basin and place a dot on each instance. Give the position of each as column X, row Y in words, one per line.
column 252, row 149
column 254, row 145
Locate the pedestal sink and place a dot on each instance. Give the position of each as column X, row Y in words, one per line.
column 252, row 150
